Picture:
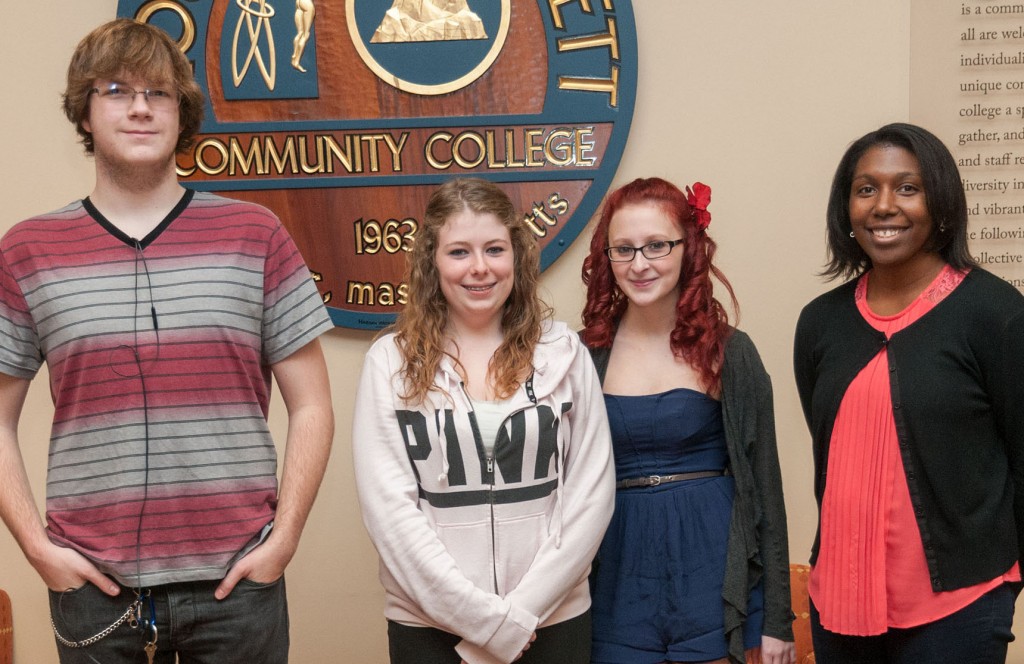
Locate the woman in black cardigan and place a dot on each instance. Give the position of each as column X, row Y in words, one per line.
column 910, row 377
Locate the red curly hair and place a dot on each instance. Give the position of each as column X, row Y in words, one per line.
column 702, row 323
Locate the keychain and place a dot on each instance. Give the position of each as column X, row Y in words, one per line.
column 148, row 623
column 150, row 646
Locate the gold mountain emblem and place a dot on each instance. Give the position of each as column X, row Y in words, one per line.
column 428, row 20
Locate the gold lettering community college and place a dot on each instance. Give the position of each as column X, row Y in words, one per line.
column 328, row 154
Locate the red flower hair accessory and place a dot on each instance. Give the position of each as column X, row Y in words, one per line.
column 699, row 197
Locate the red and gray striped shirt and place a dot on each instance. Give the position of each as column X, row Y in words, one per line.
column 161, row 465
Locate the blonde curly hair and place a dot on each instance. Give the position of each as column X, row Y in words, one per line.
column 421, row 328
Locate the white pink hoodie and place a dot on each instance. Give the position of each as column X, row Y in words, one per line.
column 488, row 549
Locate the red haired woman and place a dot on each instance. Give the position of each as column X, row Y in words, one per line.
column 695, row 564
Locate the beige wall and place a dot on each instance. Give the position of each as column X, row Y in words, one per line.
column 757, row 99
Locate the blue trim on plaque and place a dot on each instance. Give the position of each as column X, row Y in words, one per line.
column 372, row 180
column 359, row 319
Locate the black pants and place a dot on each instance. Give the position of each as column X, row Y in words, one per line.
column 250, row 625
column 562, row 643
column 976, row 634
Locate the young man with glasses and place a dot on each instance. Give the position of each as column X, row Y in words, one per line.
column 161, row 314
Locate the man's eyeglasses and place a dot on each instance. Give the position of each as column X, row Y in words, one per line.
column 119, row 93
column 651, row 250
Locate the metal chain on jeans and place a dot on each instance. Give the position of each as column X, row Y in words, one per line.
column 132, row 608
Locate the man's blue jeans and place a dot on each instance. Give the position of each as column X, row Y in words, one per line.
column 250, row 625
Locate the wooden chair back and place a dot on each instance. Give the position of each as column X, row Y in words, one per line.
column 6, row 630
column 799, row 575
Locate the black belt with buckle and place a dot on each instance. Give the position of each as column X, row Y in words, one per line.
column 655, row 480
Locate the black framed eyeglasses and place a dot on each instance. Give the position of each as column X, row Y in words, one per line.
column 651, row 250
column 121, row 94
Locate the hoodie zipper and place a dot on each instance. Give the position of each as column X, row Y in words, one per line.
column 489, row 460
column 489, row 478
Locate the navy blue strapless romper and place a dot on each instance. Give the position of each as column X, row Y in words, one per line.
column 657, row 582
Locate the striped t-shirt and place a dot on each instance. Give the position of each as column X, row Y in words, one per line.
column 161, row 465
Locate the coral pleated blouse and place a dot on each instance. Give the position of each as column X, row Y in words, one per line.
column 871, row 573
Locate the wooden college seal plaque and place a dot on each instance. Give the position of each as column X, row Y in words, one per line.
column 342, row 116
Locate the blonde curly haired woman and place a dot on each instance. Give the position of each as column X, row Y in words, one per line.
column 482, row 452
